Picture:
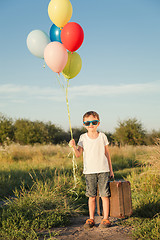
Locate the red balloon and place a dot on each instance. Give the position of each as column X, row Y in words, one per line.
column 72, row 36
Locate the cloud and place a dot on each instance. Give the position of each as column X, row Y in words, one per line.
column 30, row 90
column 18, row 93
column 108, row 90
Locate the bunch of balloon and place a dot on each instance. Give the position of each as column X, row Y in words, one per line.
column 70, row 36
column 64, row 35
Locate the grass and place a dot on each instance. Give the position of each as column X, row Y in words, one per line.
column 38, row 184
column 35, row 210
column 146, row 196
column 19, row 163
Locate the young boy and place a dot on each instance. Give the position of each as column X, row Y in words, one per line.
column 97, row 166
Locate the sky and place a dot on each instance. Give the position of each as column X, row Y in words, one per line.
column 120, row 75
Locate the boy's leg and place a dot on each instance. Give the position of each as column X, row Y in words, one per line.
column 105, row 194
column 92, row 206
column 105, row 201
column 91, row 191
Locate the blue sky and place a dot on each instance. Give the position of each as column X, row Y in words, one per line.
column 120, row 75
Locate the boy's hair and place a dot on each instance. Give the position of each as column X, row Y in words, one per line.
column 94, row 114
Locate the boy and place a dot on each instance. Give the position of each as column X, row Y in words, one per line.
column 97, row 166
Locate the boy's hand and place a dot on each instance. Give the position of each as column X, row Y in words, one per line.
column 77, row 149
column 72, row 143
column 111, row 174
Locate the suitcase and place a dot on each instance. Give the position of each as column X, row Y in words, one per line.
column 120, row 200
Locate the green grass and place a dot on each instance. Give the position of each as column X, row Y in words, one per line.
column 39, row 186
column 50, row 202
column 144, row 228
column 24, row 163
column 43, row 207
column 145, row 186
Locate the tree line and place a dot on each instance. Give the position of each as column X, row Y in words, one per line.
column 24, row 132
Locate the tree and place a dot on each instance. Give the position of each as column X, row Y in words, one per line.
column 77, row 132
column 130, row 132
column 152, row 138
column 28, row 132
column 53, row 131
column 6, row 129
column 110, row 137
column 56, row 135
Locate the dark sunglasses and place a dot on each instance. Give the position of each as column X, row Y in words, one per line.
column 94, row 122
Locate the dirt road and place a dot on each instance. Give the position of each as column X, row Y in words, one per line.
column 76, row 231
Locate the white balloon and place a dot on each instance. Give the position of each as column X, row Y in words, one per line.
column 37, row 40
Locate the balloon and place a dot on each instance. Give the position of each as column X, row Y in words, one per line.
column 55, row 56
column 72, row 36
column 60, row 12
column 55, row 34
column 37, row 40
column 73, row 65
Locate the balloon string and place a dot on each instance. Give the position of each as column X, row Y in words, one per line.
column 44, row 65
column 66, row 93
column 73, row 154
column 60, row 83
column 68, row 109
column 74, row 163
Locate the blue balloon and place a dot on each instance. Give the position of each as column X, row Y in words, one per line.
column 55, row 34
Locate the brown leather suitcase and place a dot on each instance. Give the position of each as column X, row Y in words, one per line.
column 120, row 200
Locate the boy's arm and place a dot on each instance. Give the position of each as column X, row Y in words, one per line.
column 78, row 150
column 109, row 161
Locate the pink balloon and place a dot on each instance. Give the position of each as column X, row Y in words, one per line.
column 56, row 56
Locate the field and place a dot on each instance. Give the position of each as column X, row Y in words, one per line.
column 37, row 185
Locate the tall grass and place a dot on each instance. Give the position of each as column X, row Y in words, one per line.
column 18, row 163
column 146, row 196
column 38, row 182
column 45, row 205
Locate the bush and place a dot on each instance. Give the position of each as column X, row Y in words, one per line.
column 130, row 132
column 28, row 132
column 6, row 130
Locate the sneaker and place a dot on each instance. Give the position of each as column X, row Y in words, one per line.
column 105, row 223
column 89, row 223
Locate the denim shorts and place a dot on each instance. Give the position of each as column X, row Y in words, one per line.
column 97, row 178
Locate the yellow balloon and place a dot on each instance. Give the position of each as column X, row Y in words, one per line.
column 60, row 12
column 73, row 66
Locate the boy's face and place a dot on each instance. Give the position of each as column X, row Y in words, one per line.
column 91, row 127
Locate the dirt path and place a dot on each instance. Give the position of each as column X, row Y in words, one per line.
column 76, row 231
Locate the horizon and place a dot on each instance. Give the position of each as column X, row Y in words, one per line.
column 79, row 127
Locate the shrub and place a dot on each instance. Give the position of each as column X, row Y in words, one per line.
column 130, row 132
column 6, row 130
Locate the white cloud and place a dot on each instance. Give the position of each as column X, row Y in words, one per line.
column 31, row 90
column 19, row 92
column 105, row 90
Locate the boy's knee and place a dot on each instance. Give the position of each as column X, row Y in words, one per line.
column 105, row 198
column 92, row 198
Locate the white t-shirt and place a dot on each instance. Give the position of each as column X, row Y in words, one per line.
column 94, row 158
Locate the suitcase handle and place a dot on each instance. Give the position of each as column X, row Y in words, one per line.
column 112, row 178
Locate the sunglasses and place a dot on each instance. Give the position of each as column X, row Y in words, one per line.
column 94, row 122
